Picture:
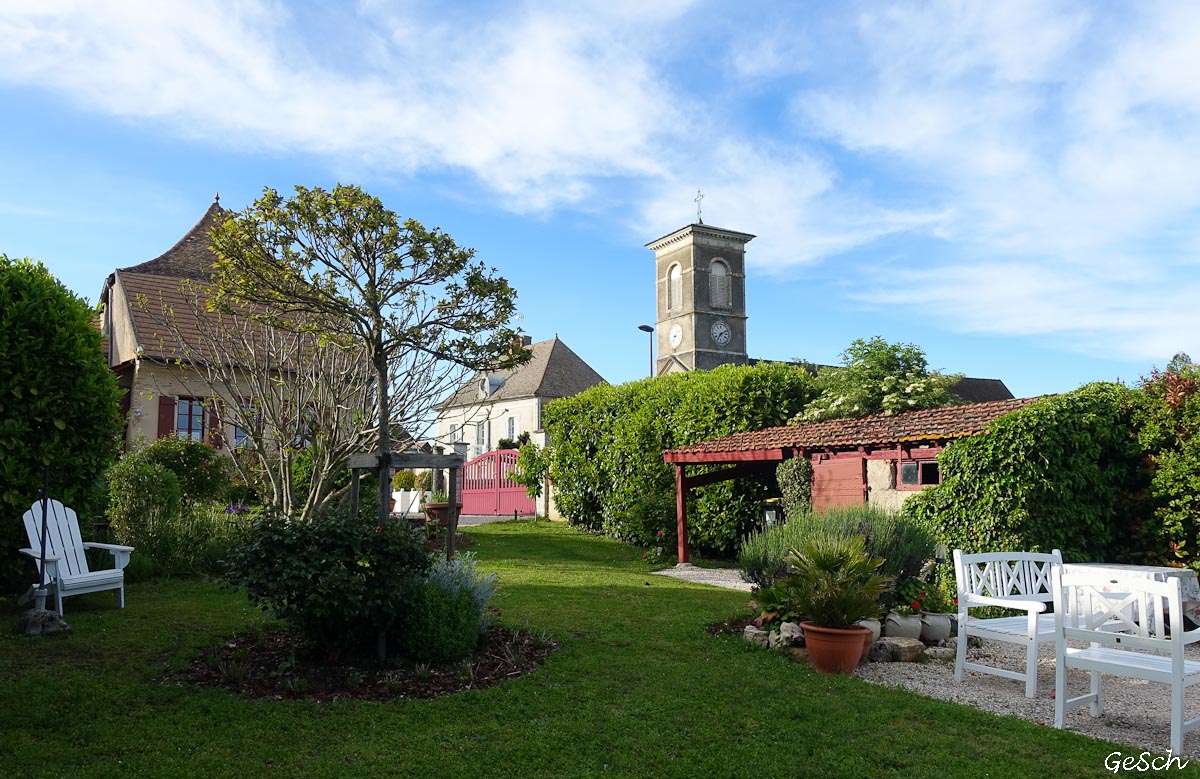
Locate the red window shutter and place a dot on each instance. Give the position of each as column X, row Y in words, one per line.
column 213, row 423
column 166, row 416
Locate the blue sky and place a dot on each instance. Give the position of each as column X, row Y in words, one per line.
column 1013, row 186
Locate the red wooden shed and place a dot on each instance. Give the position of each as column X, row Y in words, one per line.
column 840, row 450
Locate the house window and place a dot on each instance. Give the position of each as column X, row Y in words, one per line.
column 915, row 474
column 456, row 433
column 512, row 429
column 189, row 419
column 718, row 284
column 674, row 287
column 481, row 438
column 240, row 437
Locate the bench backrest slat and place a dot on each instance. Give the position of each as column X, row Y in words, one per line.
column 1007, row 575
column 1120, row 610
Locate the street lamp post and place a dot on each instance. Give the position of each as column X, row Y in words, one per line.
column 650, row 331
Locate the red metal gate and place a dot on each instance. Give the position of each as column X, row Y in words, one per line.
column 838, row 481
column 488, row 490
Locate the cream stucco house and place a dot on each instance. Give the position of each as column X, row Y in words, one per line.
column 504, row 404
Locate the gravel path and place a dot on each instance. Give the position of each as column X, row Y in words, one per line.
column 1136, row 713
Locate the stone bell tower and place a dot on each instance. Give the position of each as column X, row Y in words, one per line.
column 700, row 273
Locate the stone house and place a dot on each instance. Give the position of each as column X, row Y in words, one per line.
column 163, row 397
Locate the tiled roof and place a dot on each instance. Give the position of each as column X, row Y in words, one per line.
column 159, row 291
column 876, row 430
column 554, row 371
column 191, row 257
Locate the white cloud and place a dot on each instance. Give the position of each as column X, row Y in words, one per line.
column 1067, row 148
column 1052, row 148
column 533, row 105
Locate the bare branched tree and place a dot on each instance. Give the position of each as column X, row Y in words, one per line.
column 283, row 391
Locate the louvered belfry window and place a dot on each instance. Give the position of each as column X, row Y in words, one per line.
column 674, row 287
column 718, row 284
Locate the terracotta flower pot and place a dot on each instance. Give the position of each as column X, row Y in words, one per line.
column 833, row 650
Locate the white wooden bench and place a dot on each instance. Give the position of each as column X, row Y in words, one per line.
column 1121, row 617
column 67, row 571
column 1011, row 580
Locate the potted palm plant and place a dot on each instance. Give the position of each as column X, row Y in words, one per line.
column 835, row 583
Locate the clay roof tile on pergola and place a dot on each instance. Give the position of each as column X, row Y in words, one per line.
column 932, row 424
column 751, row 453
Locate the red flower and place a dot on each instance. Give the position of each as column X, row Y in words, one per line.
column 915, row 605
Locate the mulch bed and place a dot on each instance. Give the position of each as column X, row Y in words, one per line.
column 277, row 665
column 734, row 626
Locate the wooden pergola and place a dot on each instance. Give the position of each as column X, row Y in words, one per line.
column 414, row 458
column 742, row 464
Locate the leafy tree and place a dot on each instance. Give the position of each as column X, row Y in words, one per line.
column 58, row 401
column 340, row 264
column 876, row 376
column 1169, row 429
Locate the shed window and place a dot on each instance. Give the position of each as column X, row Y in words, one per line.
column 718, row 284
column 674, row 287
column 915, row 474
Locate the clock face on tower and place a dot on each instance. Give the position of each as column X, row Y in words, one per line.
column 720, row 333
column 675, row 336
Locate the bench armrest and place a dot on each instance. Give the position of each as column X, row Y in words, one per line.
column 37, row 556
column 109, row 547
column 972, row 601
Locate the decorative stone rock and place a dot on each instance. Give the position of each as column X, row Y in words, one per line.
column 939, row 653
column 42, row 622
column 791, row 634
column 903, row 650
column 880, row 653
column 798, row 654
column 773, row 640
column 756, row 635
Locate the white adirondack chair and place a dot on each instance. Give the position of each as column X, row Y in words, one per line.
column 67, row 570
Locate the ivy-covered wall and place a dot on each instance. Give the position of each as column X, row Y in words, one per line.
column 1065, row 472
column 605, row 450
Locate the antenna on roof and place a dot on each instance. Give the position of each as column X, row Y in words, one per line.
column 697, row 199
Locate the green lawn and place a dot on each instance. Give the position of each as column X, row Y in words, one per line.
column 639, row 689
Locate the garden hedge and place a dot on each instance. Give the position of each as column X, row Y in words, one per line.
column 1065, row 472
column 58, row 405
column 605, row 445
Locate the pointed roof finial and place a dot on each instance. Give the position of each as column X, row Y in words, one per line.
column 217, row 198
column 698, row 198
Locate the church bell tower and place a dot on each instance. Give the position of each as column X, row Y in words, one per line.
column 700, row 273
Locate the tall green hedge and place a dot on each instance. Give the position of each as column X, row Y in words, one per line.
column 1169, row 419
column 1063, row 472
column 605, row 450
column 58, row 404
